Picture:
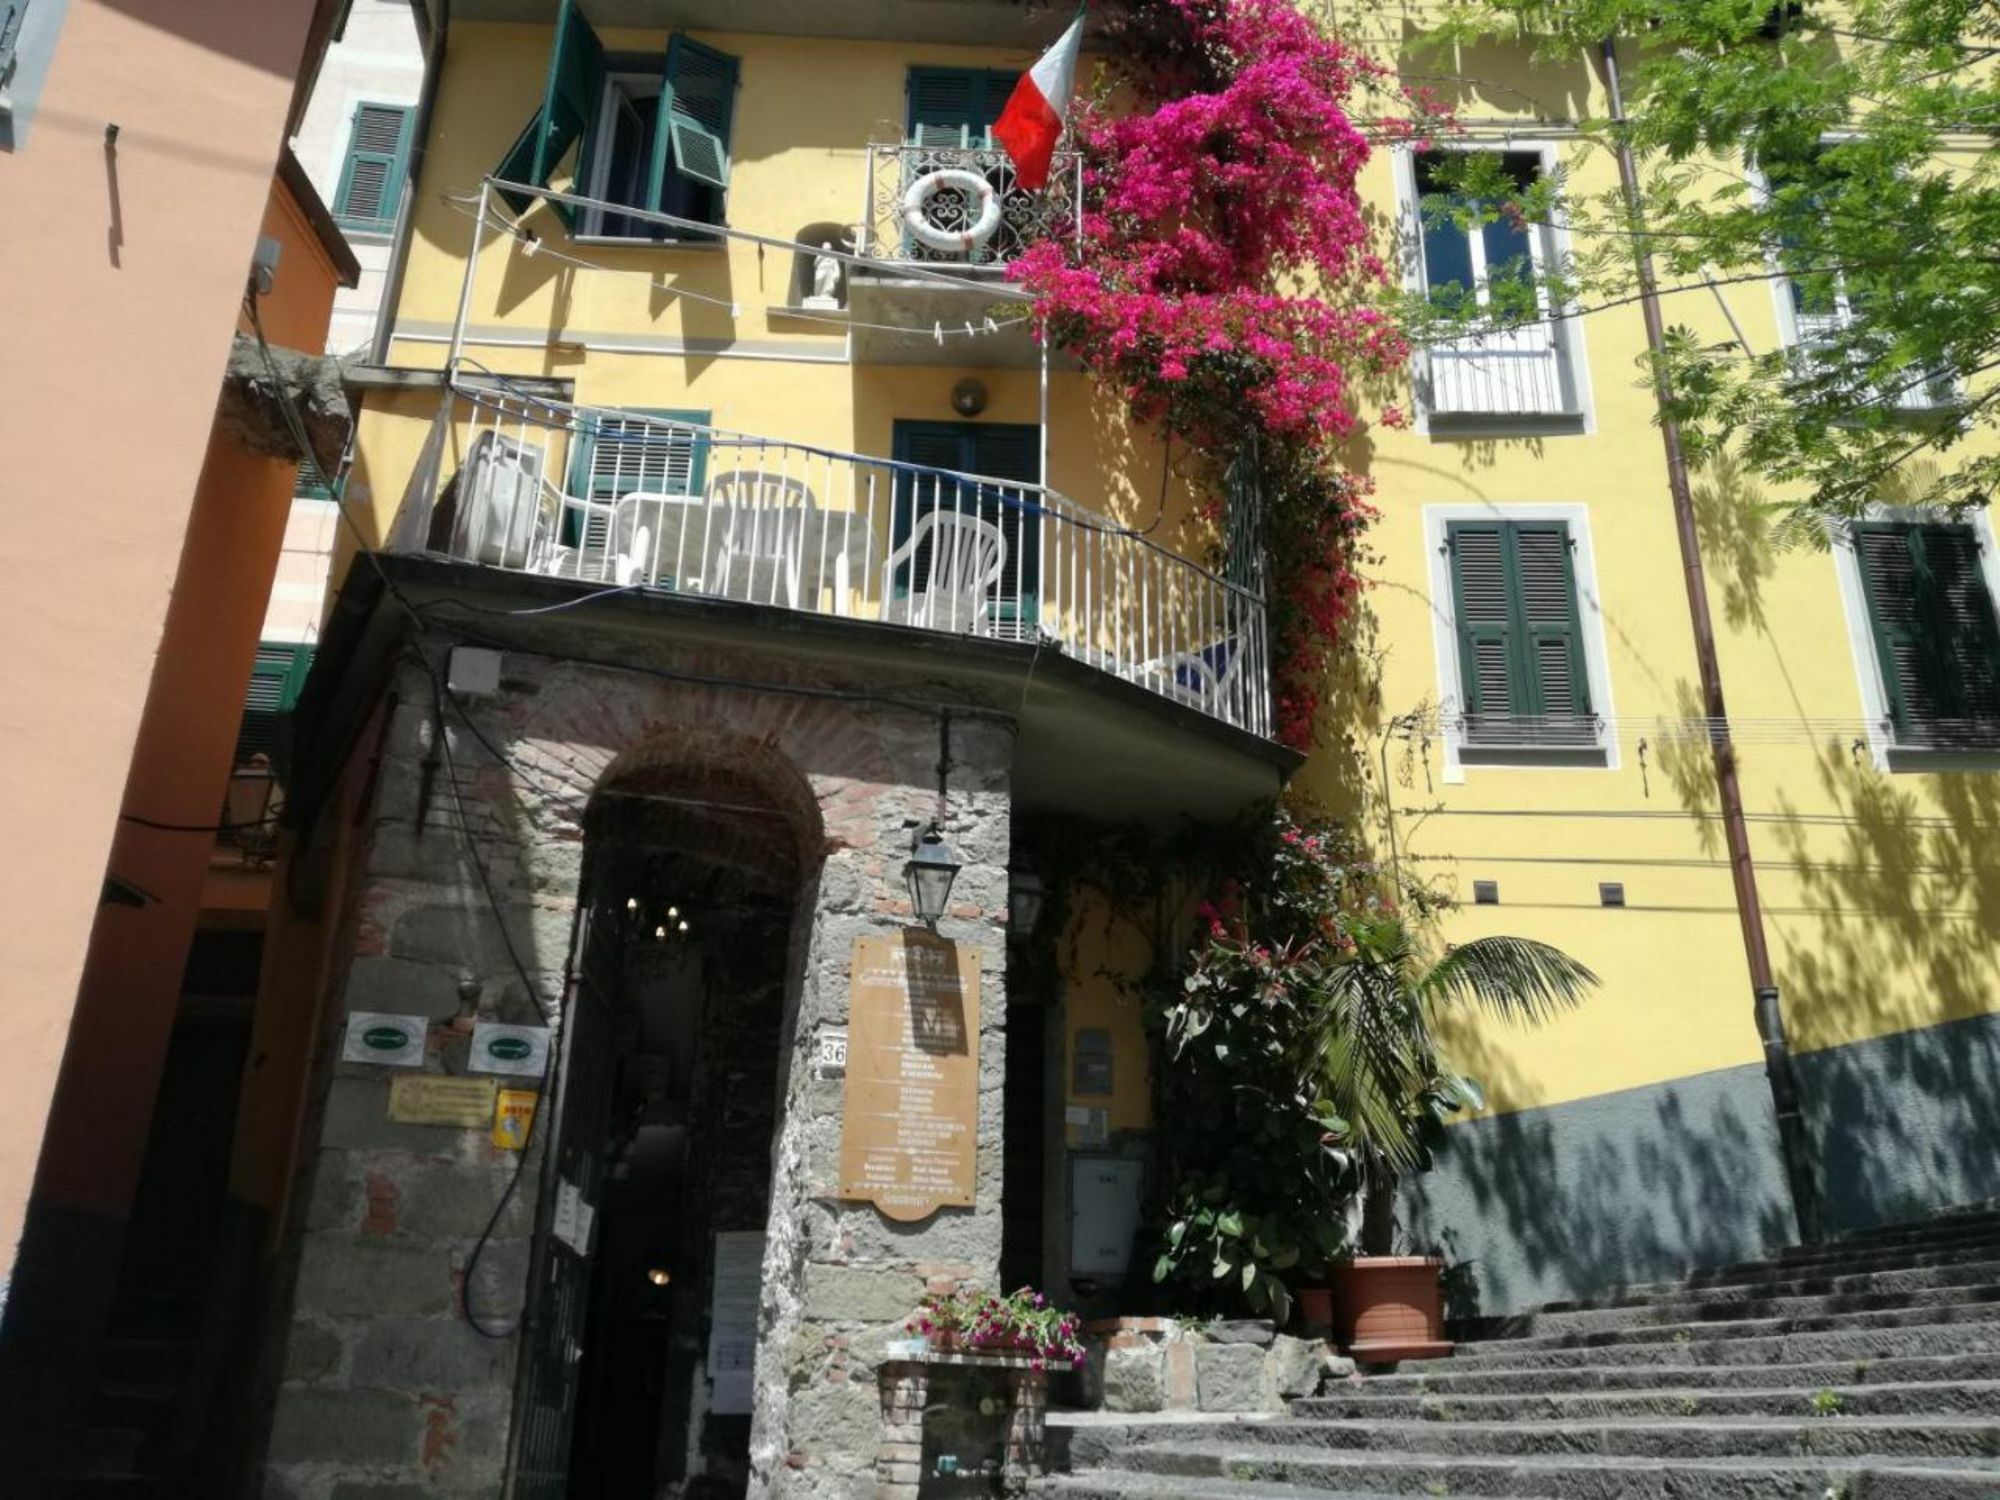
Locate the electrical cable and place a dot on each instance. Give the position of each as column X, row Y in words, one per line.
column 156, row 824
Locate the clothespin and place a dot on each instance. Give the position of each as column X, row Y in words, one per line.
column 937, row 332
column 735, row 311
column 969, row 330
column 991, row 326
column 533, row 244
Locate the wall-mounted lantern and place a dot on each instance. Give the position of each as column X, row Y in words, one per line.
column 930, row 874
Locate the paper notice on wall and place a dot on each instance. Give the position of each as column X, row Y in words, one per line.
column 573, row 1218
column 522, row 1050
column 738, row 1273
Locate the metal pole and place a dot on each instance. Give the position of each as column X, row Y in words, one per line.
column 1794, row 1141
column 465, row 289
column 1045, row 413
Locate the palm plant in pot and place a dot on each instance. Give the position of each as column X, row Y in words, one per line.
column 1385, row 1073
column 1300, row 1066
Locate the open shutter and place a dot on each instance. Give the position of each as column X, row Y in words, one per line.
column 1559, row 686
column 1889, row 578
column 276, row 679
column 570, row 103
column 618, row 455
column 697, row 113
column 371, row 178
column 1489, row 650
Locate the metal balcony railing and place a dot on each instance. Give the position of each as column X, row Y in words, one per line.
column 1052, row 212
column 628, row 500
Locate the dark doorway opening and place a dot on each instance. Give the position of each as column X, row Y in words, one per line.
column 1022, row 1173
column 638, row 1368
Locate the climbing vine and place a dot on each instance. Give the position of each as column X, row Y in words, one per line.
column 1226, row 284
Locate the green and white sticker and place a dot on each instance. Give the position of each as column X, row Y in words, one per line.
column 509, row 1049
column 387, row 1041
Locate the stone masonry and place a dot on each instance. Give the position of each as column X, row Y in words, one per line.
column 386, row 1389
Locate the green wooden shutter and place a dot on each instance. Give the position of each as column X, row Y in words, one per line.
column 1522, row 673
column 1935, row 632
column 570, row 103
column 955, row 106
column 371, row 176
column 276, row 679
column 1551, row 633
column 697, row 116
column 1483, row 605
column 617, row 454
column 994, row 450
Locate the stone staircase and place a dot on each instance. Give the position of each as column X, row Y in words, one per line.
column 1867, row 1368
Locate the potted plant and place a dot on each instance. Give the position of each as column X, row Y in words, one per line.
column 1388, row 1079
column 1022, row 1323
column 1300, row 1066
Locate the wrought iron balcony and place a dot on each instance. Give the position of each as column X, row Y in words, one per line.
column 1023, row 217
column 626, row 500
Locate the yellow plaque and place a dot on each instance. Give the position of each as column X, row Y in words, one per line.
column 427, row 1099
column 910, row 1130
column 513, row 1118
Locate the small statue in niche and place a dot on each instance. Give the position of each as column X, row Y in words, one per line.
column 826, row 280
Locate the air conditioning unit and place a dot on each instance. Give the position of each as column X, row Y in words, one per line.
column 501, row 510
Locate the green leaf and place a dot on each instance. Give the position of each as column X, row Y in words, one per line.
column 1163, row 1268
column 1230, row 1224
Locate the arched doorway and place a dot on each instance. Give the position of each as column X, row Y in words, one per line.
column 636, row 1381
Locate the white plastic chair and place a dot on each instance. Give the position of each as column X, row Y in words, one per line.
column 968, row 555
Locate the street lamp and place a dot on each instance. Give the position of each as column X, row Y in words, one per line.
column 930, row 872
column 1024, row 902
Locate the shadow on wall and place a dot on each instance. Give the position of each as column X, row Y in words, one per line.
column 1636, row 1186
column 1906, row 1124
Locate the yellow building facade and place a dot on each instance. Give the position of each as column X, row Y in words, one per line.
column 576, row 398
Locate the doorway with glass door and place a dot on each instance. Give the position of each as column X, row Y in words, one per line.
column 968, row 528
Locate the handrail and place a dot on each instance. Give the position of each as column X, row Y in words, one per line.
column 1063, row 506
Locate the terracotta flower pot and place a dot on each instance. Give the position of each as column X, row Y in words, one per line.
column 1389, row 1308
column 1316, row 1307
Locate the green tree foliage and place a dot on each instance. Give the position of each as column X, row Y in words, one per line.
column 1843, row 153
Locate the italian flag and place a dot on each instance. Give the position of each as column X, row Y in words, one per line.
column 1032, row 122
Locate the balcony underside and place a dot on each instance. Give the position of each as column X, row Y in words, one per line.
column 1090, row 744
column 990, row 23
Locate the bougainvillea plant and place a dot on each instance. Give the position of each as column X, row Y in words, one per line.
column 1022, row 1322
column 1225, row 283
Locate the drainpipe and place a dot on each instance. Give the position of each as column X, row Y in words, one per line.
column 1794, row 1141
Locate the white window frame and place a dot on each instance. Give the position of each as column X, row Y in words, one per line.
column 1790, row 334
column 1551, row 243
column 617, row 87
column 1883, row 750
column 1459, row 757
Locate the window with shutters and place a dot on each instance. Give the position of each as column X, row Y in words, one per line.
column 1522, row 675
column 638, row 452
column 1935, row 635
column 641, row 132
column 276, row 680
column 955, row 106
column 371, row 175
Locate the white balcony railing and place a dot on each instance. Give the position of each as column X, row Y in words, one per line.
column 627, row 500
column 1508, row 372
column 1052, row 212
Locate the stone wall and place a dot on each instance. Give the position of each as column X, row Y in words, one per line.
column 387, row 1391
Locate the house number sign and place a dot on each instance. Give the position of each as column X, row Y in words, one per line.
column 910, row 1126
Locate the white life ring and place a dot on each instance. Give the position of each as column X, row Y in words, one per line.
column 917, row 197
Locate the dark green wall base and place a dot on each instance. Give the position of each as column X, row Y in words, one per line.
column 1647, row 1184
column 1906, row 1124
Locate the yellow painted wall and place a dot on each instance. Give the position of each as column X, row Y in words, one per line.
column 1881, row 910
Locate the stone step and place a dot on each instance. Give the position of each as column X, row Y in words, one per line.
column 1851, row 1344
column 1981, row 1244
column 1905, row 1399
column 1950, row 1221
column 1946, row 1440
column 1575, row 1477
column 1972, row 1320
column 1898, row 1278
column 1664, row 1311
column 1114, row 1484
column 1441, row 1378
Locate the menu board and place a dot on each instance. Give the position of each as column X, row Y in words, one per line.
column 910, row 1132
